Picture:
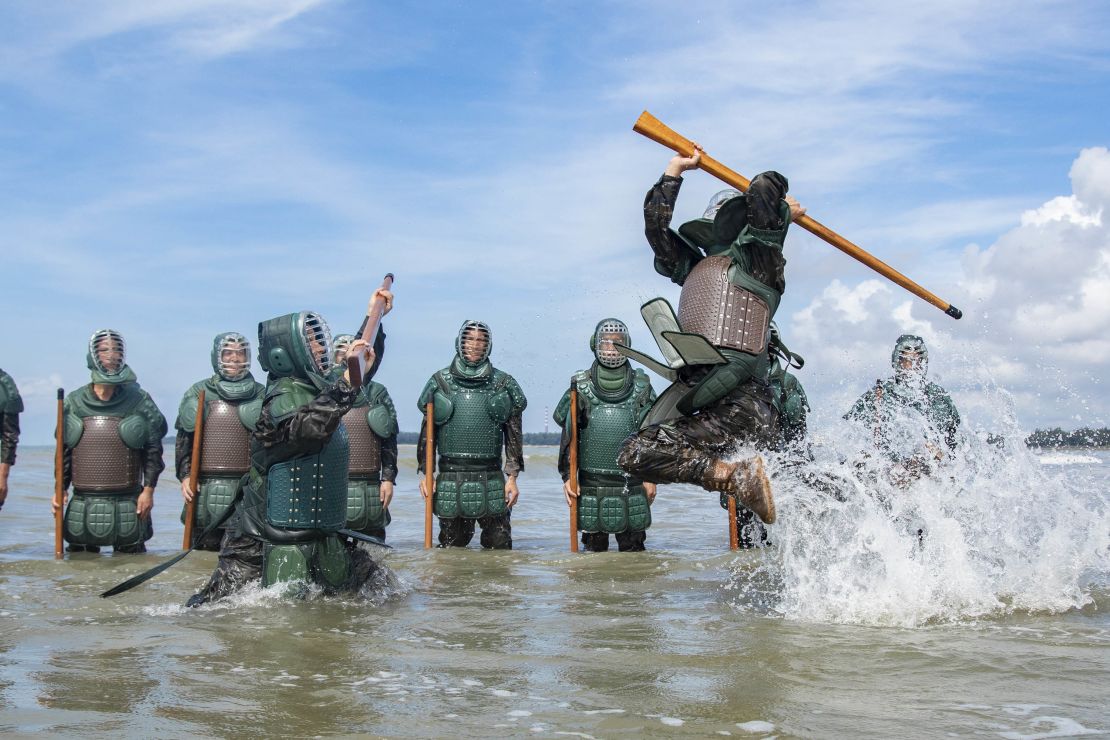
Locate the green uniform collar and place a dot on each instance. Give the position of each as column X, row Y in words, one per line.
column 124, row 376
column 234, row 390
column 612, row 384
column 467, row 372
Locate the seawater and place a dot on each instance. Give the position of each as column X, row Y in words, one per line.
column 992, row 623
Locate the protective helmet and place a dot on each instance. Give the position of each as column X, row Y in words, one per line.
column 483, row 332
column 295, row 345
column 718, row 200
column 340, row 344
column 607, row 333
column 910, row 346
column 107, row 353
column 229, row 369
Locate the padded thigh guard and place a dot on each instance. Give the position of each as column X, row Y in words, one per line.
column 326, row 562
column 214, row 499
column 105, row 521
column 364, row 506
column 613, row 509
column 470, row 495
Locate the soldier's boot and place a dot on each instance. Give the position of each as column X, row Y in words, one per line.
column 82, row 548
column 747, row 481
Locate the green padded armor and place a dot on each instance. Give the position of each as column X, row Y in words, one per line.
column 364, row 506
column 471, row 433
column 214, row 499
column 610, row 423
column 325, row 562
column 310, row 492
column 10, row 400
column 105, row 521
column 470, row 495
column 613, row 509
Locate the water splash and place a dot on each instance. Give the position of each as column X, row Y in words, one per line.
column 990, row 533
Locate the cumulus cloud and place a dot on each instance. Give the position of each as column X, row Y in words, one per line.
column 1037, row 316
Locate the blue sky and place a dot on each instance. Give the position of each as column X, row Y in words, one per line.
column 177, row 169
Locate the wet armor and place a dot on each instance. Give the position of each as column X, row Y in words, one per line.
column 732, row 272
column 233, row 402
column 111, row 450
column 477, row 414
column 294, row 499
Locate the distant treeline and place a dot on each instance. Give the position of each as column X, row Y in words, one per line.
column 530, row 438
column 1057, row 437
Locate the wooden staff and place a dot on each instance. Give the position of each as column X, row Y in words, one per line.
column 733, row 527
column 194, row 474
column 429, row 468
column 573, row 477
column 657, row 131
column 358, row 363
column 59, row 482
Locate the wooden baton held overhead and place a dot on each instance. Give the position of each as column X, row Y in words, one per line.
column 429, row 468
column 657, row 131
column 59, row 474
column 194, row 474
column 358, row 363
column 573, row 471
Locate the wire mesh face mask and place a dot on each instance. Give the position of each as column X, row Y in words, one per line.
column 910, row 357
column 608, row 334
column 717, row 201
column 340, row 345
column 474, row 343
column 108, row 351
column 317, row 339
column 233, row 353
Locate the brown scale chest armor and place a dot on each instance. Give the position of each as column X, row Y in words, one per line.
column 366, row 448
column 725, row 314
column 225, row 450
column 101, row 461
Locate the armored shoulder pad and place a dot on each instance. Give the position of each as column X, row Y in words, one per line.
column 187, row 411
column 74, row 427
column 287, row 395
column 250, row 411
column 10, row 400
column 381, row 416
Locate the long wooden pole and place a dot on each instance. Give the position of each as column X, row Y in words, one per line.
column 357, row 365
column 733, row 526
column 59, row 479
column 429, row 469
column 654, row 129
column 573, row 472
column 194, row 474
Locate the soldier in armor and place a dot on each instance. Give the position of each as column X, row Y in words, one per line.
column 731, row 269
column 477, row 413
column 232, row 401
column 914, row 422
column 11, row 406
column 111, row 453
column 612, row 401
column 294, row 501
column 372, row 433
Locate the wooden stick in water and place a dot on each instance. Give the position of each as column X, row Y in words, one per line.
column 573, row 478
column 194, row 474
column 429, row 469
column 59, row 478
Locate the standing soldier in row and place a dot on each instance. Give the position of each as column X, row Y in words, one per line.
column 612, row 400
column 112, row 453
column 11, row 406
column 478, row 412
column 732, row 272
column 233, row 401
column 372, row 434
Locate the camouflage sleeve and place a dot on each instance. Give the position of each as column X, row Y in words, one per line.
column 379, row 352
column 514, row 444
column 951, row 423
column 9, row 438
column 183, row 454
column 673, row 257
column 426, row 397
